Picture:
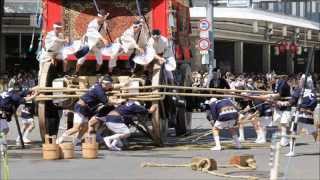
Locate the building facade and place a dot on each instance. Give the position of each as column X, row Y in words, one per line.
column 20, row 34
column 262, row 36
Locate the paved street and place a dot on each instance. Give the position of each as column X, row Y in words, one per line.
column 28, row 163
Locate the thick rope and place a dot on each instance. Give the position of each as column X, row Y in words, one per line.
column 230, row 176
column 197, row 168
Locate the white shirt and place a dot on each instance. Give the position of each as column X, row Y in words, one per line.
column 53, row 42
column 93, row 34
column 128, row 38
column 161, row 46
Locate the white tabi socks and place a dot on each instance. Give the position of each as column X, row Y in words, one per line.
column 109, row 141
column 292, row 146
column 236, row 141
column 241, row 134
column 61, row 138
column 25, row 137
column 218, row 145
column 261, row 136
column 284, row 140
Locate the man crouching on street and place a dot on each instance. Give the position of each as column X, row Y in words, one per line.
column 224, row 115
column 117, row 121
column 86, row 107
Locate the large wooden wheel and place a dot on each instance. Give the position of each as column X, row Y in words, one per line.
column 183, row 117
column 45, row 108
column 160, row 116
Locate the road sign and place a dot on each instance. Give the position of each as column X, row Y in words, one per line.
column 204, row 44
column 204, row 25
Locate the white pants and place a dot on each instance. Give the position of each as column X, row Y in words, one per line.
column 4, row 126
column 48, row 56
column 266, row 121
column 282, row 117
column 310, row 128
column 118, row 128
column 79, row 118
column 26, row 121
column 225, row 124
column 97, row 53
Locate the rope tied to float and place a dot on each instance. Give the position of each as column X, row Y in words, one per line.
column 208, row 165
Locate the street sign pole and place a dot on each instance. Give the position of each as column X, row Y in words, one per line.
column 210, row 14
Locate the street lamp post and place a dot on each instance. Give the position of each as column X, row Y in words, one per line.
column 210, row 16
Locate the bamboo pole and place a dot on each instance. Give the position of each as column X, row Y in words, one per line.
column 132, row 98
column 148, row 99
column 197, row 89
column 176, row 94
column 68, row 90
column 134, row 95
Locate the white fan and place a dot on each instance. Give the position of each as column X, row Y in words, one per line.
column 145, row 58
column 111, row 50
column 170, row 64
column 71, row 49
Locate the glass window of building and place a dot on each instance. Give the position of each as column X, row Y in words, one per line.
column 314, row 7
column 271, row 6
column 287, row 6
column 301, row 9
column 308, row 9
column 294, row 8
column 22, row 6
column 280, row 7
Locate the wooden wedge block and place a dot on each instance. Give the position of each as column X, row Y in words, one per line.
column 203, row 163
column 241, row 160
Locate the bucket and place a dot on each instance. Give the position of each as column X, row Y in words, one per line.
column 90, row 148
column 67, row 150
column 50, row 150
column 133, row 84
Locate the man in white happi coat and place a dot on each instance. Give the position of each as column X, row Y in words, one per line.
column 133, row 39
column 161, row 46
column 53, row 45
column 163, row 53
column 94, row 40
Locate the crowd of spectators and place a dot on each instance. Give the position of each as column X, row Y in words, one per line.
column 18, row 80
column 244, row 81
column 249, row 81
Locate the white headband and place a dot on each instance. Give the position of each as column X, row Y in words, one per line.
column 137, row 25
column 56, row 26
column 106, row 82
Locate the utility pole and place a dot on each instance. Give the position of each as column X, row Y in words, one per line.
column 1, row 36
column 210, row 16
